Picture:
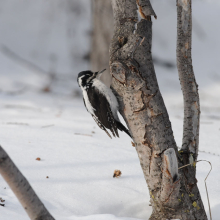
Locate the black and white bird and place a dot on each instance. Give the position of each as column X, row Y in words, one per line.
column 100, row 102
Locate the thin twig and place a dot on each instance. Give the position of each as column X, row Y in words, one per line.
column 84, row 134
column 33, row 67
column 47, row 126
column 12, row 55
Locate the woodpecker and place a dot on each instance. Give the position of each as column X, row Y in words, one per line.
column 100, row 102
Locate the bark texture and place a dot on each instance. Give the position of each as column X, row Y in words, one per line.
column 22, row 189
column 101, row 37
column 190, row 144
column 188, row 83
column 142, row 106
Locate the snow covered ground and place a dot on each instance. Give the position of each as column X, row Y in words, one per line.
column 79, row 158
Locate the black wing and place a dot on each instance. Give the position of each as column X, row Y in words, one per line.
column 97, row 121
column 100, row 125
column 103, row 115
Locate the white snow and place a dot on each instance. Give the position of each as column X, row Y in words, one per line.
column 77, row 156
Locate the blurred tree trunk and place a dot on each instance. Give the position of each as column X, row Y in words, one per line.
column 101, row 38
column 174, row 193
column 22, row 189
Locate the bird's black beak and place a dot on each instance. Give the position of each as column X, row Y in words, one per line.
column 98, row 74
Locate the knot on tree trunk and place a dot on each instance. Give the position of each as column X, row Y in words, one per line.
column 170, row 179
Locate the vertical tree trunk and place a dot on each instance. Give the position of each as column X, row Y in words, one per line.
column 141, row 104
column 101, row 38
column 190, row 144
column 22, row 189
column 189, row 86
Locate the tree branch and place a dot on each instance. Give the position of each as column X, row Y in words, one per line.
column 22, row 189
column 188, row 83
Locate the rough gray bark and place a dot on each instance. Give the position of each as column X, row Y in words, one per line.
column 22, row 189
column 142, row 106
column 188, row 83
column 101, row 38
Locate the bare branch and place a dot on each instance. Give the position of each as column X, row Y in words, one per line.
column 12, row 55
column 22, row 189
column 33, row 67
column 188, row 83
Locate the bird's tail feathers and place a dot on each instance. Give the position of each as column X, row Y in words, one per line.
column 101, row 126
column 121, row 127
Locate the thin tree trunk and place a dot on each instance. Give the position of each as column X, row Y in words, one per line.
column 142, row 106
column 22, row 189
column 189, row 86
column 101, row 37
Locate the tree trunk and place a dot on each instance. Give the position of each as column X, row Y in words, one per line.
column 142, row 106
column 101, row 38
column 22, row 189
column 189, row 86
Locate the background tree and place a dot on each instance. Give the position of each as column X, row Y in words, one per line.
column 174, row 194
column 22, row 189
column 101, row 37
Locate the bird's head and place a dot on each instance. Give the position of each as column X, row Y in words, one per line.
column 87, row 76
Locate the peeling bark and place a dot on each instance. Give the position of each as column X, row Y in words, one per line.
column 22, row 189
column 142, row 106
column 145, row 9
